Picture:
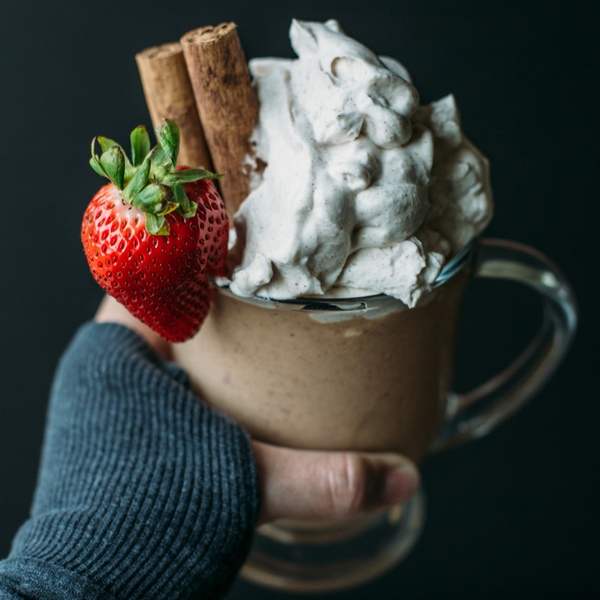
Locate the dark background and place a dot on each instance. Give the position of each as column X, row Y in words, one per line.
column 516, row 512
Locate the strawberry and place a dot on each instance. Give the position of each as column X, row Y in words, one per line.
column 154, row 233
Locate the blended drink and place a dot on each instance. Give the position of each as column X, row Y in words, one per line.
column 329, row 380
column 364, row 192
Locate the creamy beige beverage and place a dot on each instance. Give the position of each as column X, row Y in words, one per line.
column 290, row 378
column 363, row 193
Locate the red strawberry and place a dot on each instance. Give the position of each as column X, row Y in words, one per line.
column 153, row 234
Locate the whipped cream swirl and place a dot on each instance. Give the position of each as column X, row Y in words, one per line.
column 363, row 191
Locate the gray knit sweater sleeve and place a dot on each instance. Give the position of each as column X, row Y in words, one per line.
column 143, row 492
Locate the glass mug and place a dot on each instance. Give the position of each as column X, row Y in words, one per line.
column 365, row 374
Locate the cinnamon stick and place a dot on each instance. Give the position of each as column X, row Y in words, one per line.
column 226, row 101
column 169, row 95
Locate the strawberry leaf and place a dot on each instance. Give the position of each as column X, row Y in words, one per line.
column 156, row 225
column 189, row 175
column 140, row 145
column 113, row 164
column 139, row 180
column 160, row 166
column 189, row 213
column 169, row 138
column 180, row 196
column 106, row 144
column 96, row 166
column 168, row 208
column 187, row 208
column 153, row 197
column 95, row 161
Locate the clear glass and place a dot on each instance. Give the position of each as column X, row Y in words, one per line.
column 475, row 414
column 299, row 373
column 304, row 557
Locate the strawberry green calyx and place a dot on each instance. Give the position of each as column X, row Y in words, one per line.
column 149, row 181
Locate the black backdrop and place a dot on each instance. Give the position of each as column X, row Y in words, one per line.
column 513, row 513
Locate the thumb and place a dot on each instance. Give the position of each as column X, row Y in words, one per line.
column 330, row 485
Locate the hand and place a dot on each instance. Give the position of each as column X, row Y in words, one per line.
column 305, row 483
column 330, row 485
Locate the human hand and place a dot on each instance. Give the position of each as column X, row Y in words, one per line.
column 330, row 485
column 144, row 491
column 305, row 483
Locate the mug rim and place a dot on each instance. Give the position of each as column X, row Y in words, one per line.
column 348, row 304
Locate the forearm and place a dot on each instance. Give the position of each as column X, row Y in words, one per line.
column 144, row 492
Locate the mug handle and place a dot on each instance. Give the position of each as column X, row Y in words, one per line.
column 475, row 414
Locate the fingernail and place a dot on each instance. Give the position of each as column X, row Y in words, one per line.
column 401, row 483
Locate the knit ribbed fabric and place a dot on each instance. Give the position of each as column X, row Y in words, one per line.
column 143, row 492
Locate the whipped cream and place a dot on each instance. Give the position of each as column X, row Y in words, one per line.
column 364, row 191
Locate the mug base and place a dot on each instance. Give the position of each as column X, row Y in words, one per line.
column 326, row 556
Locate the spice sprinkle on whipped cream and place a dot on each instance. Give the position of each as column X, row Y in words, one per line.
column 364, row 191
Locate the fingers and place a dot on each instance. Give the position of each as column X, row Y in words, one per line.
column 111, row 311
column 330, row 485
